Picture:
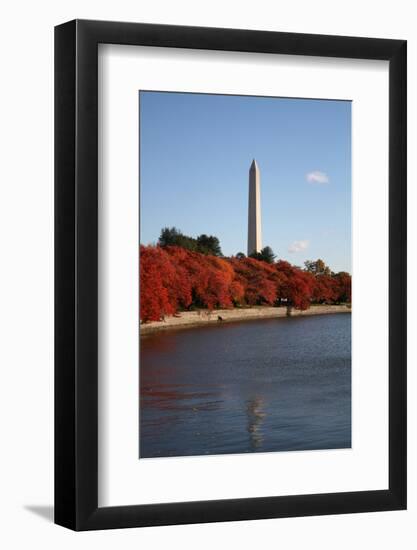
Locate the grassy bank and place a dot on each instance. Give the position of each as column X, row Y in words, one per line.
column 204, row 317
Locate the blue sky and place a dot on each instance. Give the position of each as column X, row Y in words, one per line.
column 195, row 154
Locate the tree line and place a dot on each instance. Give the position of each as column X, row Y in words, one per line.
column 207, row 244
column 177, row 278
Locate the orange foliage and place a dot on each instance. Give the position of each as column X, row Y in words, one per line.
column 297, row 286
column 258, row 280
column 173, row 278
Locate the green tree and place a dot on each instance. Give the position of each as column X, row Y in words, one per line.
column 205, row 244
column 265, row 255
column 171, row 236
column 208, row 244
column 317, row 267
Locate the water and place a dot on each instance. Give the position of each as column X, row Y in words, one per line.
column 267, row 385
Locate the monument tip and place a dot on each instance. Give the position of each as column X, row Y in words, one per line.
column 254, row 210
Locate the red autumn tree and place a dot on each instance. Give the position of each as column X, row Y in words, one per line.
column 343, row 283
column 324, row 290
column 173, row 278
column 154, row 299
column 210, row 277
column 165, row 286
column 297, row 285
column 259, row 280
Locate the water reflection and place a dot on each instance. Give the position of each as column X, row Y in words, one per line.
column 273, row 385
column 256, row 414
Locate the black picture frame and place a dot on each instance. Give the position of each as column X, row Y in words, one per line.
column 76, row 272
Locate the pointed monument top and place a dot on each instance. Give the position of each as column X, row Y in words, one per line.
column 254, row 210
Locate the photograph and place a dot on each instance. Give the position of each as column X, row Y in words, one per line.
column 245, row 274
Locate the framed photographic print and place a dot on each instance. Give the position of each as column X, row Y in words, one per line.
column 230, row 337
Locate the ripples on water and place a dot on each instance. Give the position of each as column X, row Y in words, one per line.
column 266, row 385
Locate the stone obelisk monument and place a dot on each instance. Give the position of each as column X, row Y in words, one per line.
column 254, row 211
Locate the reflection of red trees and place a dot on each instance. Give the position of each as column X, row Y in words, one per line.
column 173, row 279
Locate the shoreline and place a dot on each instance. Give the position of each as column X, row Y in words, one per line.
column 203, row 317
